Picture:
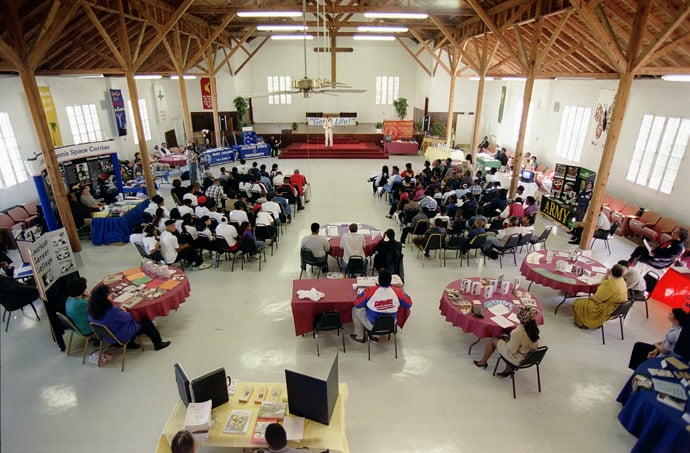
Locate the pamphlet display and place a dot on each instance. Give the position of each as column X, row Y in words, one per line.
column 568, row 182
column 51, row 257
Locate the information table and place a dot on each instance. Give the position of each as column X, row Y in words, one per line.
column 540, row 267
column 339, row 295
column 159, row 295
column 487, row 162
column 658, row 427
column 316, row 435
column 174, row 160
column 673, row 288
column 433, row 153
column 333, row 231
column 459, row 312
column 217, row 156
column 111, row 230
column 253, row 151
column 401, row 147
column 531, row 188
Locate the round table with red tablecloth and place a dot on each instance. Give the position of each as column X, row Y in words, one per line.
column 457, row 313
column 333, row 231
column 159, row 295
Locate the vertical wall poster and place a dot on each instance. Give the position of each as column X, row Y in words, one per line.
column 502, row 104
column 51, row 115
column 51, row 258
column 206, row 99
column 119, row 110
column 161, row 101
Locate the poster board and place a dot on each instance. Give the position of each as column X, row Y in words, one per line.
column 399, row 130
column 51, row 258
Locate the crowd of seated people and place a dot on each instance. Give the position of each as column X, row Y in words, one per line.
column 452, row 200
column 238, row 209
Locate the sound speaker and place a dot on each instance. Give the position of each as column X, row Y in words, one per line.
column 427, row 123
column 223, row 123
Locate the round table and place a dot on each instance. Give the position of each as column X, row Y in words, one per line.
column 486, row 327
column 159, row 295
column 174, row 160
column 540, row 267
column 333, row 231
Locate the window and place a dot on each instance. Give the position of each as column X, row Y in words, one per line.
column 83, row 121
column 144, row 121
column 12, row 171
column 387, row 89
column 518, row 118
column 282, row 85
column 658, row 152
column 571, row 138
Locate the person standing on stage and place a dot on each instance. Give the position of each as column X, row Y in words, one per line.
column 328, row 130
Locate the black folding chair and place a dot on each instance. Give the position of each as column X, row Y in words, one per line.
column 307, row 259
column 356, row 265
column 384, row 325
column 328, row 320
column 509, row 247
column 620, row 314
column 533, row 358
column 540, row 240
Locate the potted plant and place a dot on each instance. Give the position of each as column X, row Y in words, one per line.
column 437, row 130
column 400, row 105
column 294, row 126
column 379, row 127
column 241, row 105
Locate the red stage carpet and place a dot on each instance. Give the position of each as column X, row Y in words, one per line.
column 346, row 150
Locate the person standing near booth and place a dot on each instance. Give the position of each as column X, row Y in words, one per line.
column 328, row 131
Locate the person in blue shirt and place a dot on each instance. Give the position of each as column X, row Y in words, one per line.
column 76, row 306
column 121, row 323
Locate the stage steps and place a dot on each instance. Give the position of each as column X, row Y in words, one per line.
column 350, row 150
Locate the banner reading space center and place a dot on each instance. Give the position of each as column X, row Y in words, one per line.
column 206, row 99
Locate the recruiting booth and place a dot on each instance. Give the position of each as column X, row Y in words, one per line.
column 569, row 181
column 252, row 147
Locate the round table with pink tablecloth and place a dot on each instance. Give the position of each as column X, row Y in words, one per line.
column 174, row 160
column 158, row 295
column 540, row 267
column 333, row 231
column 499, row 311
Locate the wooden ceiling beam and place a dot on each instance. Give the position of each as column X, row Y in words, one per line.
column 233, row 50
column 521, row 45
column 670, row 47
column 430, row 50
column 413, row 55
column 644, row 10
column 16, row 34
column 140, row 40
column 210, row 39
column 447, row 33
column 676, row 21
column 125, row 48
column 9, row 54
column 601, row 35
column 251, row 55
column 494, row 28
column 57, row 19
column 554, row 36
column 606, row 23
column 105, row 36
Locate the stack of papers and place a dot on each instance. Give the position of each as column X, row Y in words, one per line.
column 533, row 258
column 332, row 231
column 502, row 321
column 499, row 309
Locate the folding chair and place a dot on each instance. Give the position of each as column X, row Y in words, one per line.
column 533, row 358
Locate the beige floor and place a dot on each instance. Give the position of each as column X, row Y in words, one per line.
column 431, row 399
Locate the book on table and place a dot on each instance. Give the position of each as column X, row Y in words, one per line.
column 197, row 420
column 272, row 410
column 238, row 422
column 259, row 433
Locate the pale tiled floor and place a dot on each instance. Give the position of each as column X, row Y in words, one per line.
column 431, row 399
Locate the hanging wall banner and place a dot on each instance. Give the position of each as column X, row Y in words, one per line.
column 206, row 99
column 51, row 115
column 502, row 104
column 119, row 109
column 161, row 101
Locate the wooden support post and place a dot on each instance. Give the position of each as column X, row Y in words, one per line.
column 333, row 62
column 138, row 124
column 216, row 119
column 52, row 167
column 517, row 158
column 455, row 59
column 612, row 134
column 186, row 114
column 477, row 116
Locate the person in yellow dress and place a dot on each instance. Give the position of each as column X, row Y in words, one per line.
column 591, row 312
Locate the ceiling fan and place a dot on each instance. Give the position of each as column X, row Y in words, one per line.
column 307, row 86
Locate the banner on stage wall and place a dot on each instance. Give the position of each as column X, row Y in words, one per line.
column 51, row 258
column 206, row 98
column 51, row 115
column 337, row 121
column 119, row 111
column 399, row 130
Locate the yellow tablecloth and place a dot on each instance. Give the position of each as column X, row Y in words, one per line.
column 316, row 435
column 432, row 153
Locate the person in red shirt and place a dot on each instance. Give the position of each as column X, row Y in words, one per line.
column 301, row 183
column 381, row 300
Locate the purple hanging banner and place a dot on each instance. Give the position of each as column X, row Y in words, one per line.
column 119, row 109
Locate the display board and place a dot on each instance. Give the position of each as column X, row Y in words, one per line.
column 337, row 121
column 569, row 181
column 51, row 258
column 399, row 130
column 253, row 151
column 217, row 156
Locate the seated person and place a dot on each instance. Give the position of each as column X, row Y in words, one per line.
column 172, row 251
column 513, row 209
column 151, row 244
column 247, row 236
column 186, row 207
column 157, row 202
column 229, row 233
column 183, row 442
column 633, row 281
column 88, row 200
column 276, row 438
column 603, row 228
column 353, row 245
column 6, row 264
column 530, row 206
column 121, row 323
column 591, row 312
column 514, row 346
column 420, row 242
column 663, row 255
column 302, row 185
column 272, row 207
column 499, row 239
column 644, row 351
column 318, row 245
column 388, row 254
column 381, row 300
column 77, row 304
column 420, row 217
column 239, row 214
column 178, row 190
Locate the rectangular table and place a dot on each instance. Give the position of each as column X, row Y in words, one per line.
column 401, row 147
column 339, row 295
column 316, row 435
column 110, row 230
column 486, row 162
column 673, row 288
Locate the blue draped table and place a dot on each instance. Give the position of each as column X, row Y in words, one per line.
column 109, row 230
column 658, row 427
